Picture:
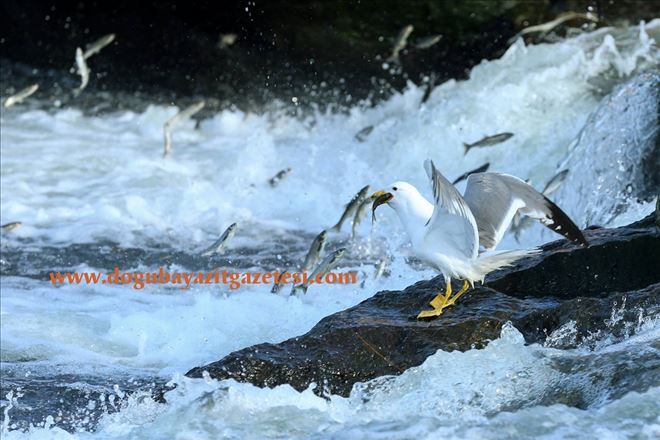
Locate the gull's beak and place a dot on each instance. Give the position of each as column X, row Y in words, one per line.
column 380, row 198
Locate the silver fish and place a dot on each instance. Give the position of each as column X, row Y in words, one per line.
column 220, row 243
column 278, row 286
column 359, row 215
column 427, row 42
column 380, row 268
column 519, row 223
column 400, row 42
column 175, row 120
column 465, row 175
column 351, row 207
column 277, row 178
column 315, row 252
column 96, row 46
column 8, row 227
column 430, row 85
column 554, row 183
column 227, row 40
column 325, row 266
column 550, row 25
column 19, row 96
column 488, row 141
column 83, row 71
column 362, row 135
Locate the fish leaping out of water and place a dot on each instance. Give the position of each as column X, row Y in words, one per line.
column 175, row 120
column 96, row 46
column 21, row 95
column 400, row 43
column 83, row 71
column 448, row 233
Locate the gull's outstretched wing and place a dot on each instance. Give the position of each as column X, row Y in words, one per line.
column 452, row 227
column 495, row 198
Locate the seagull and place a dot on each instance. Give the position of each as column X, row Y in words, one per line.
column 457, row 235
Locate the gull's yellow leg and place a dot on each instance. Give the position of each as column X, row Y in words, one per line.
column 463, row 289
column 439, row 299
column 438, row 303
column 441, row 302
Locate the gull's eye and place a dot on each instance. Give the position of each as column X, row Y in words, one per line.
column 394, row 188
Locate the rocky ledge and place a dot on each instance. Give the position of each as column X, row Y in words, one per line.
column 381, row 336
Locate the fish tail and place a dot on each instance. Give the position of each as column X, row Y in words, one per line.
column 467, row 147
column 295, row 289
column 336, row 228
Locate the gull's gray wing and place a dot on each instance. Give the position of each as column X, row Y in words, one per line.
column 495, row 198
column 452, row 227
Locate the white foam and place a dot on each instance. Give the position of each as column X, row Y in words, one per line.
column 482, row 393
column 71, row 178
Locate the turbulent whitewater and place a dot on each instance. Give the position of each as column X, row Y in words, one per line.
column 94, row 190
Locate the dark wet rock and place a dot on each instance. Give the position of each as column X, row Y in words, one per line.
column 381, row 336
column 620, row 145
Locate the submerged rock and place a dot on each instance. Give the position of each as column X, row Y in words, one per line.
column 381, row 336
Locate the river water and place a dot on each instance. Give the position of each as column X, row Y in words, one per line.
column 93, row 192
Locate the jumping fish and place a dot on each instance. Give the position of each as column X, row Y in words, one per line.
column 18, row 97
column 380, row 268
column 429, row 89
column 315, row 252
column 362, row 135
column 379, row 198
column 220, row 243
column 83, row 71
column 175, row 120
column 488, row 141
column 278, row 286
column 351, row 207
column 465, row 175
column 359, row 215
column 227, row 40
column 96, row 46
column 277, row 178
column 400, row 42
column 550, row 25
column 427, row 42
column 325, row 266
column 555, row 182
column 8, row 227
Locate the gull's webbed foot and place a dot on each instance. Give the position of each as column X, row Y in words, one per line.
column 425, row 314
column 440, row 302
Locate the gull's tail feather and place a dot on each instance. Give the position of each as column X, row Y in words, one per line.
column 489, row 262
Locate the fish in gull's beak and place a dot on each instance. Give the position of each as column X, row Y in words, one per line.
column 380, row 198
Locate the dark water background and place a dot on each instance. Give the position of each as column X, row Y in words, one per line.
column 322, row 52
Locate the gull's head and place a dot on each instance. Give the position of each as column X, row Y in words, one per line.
column 397, row 195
